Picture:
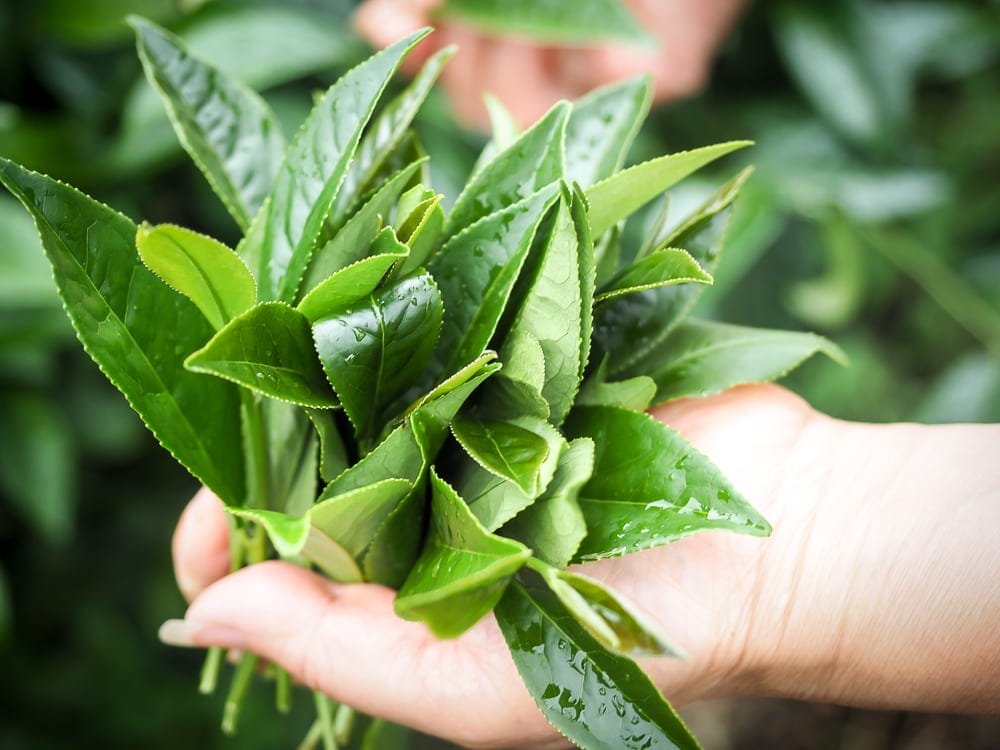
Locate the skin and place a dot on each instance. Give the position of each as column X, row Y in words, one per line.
column 687, row 32
column 877, row 587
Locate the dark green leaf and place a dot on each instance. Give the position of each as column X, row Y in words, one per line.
column 462, row 571
column 700, row 358
column 532, row 162
column 650, row 486
column 282, row 237
column 230, row 133
column 373, row 351
column 664, row 267
column 269, row 350
column 599, row 700
column 602, row 127
column 136, row 328
column 199, row 267
column 553, row 526
column 347, row 287
column 619, row 196
column 503, row 448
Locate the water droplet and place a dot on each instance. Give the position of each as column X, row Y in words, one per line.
column 359, row 335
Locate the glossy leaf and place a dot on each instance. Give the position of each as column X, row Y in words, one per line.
column 517, row 388
column 199, row 267
column 347, row 287
column 462, row 571
column 700, row 358
column 281, row 238
column 634, row 394
column 553, row 526
column 122, row 314
column 353, row 241
column 503, row 448
column 268, row 350
column 619, row 196
column 387, row 132
column 581, row 22
column 650, row 486
column 598, row 699
column 227, row 129
column 374, row 350
column 476, row 271
column 532, row 162
column 664, row 267
column 292, row 457
column 353, row 518
column 601, row 129
column 586, row 264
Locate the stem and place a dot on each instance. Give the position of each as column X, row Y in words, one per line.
column 312, row 736
column 283, row 690
column 237, row 692
column 259, row 492
column 343, row 722
column 325, row 720
column 210, row 671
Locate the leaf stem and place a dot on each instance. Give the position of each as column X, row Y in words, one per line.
column 259, row 490
column 343, row 722
column 210, row 671
column 283, row 690
column 237, row 692
column 312, row 736
column 324, row 718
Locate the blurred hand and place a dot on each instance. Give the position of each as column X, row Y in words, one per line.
column 529, row 78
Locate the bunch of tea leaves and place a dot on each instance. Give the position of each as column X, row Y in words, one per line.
column 447, row 402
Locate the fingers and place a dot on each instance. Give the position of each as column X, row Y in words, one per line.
column 346, row 641
column 201, row 544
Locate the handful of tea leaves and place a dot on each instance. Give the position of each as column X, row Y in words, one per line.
column 450, row 403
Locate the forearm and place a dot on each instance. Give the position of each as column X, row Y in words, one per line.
column 883, row 588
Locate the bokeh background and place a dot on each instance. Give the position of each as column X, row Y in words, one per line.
column 873, row 217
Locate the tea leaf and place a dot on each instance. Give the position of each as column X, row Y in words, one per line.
column 462, row 571
column 553, row 526
column 587, row 273
column 268, row 350
column 572, row 24
column 532, row 162
column 374, row 350
column 332, row 451
column 650, row 486
column 634, row 394
column 424, row 238
column 199, row 267
column 281, row 238
column 292, row 457
column 616, row 706
column 227, row 129
column 700, row 358
column 601, row 128
column 347, row 287
column 661, row 268
column 502, row 448
column 620, row 195
column 122, row 314
column 353, row 518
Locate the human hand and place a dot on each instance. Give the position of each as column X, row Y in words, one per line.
column 529, row 78
column 703, row 592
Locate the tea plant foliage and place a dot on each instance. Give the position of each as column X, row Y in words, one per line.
column 450, row 403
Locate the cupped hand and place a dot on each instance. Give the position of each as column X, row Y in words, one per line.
column 528, row 78
column 346, row 641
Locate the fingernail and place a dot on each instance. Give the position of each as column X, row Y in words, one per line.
column 188, row 634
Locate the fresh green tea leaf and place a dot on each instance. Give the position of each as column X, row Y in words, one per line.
column 601, row 129
column 619, row 196
column 199, row 267
column 269, row 350
column 586, row 272
column 333, row 458
column 664, row 267
column 650, row 486
column 700, row 358
column 424, row 238
column 353, row 518
column 292, row 457
column 634, row 394
column 347, row 287
column 227, row 129
column 462, row 571
column 616, row 706
column 122, row 314
column 503, row 448
column 282, row 237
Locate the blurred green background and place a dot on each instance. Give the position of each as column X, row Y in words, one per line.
column 873, row 217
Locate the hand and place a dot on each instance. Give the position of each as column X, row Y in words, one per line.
column 529, row 78
column 346, row 641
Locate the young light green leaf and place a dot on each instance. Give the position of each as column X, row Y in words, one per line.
column 409, row 203
column 476, row 271
column 634, row 394
column 353, row 518
column 616, row 706
column 620, row 195
column 553, row 526
column 120, row 311
column 572, row 24
column 587, row 273
column 602, row 127
column 664, row 267
column 462, row 571
column 517, row 388
column 228, row 130
column 268, row 350
column 199, row 267
column 386, row 133
column 650, row 486
column 700, row 358
column 503, row 448
column 532, row 162
column 292, row 457
column 423, row 238
column 333, row 457
column 374, row 350
column 282, row 237
column 353, row 241
column 348, row 286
